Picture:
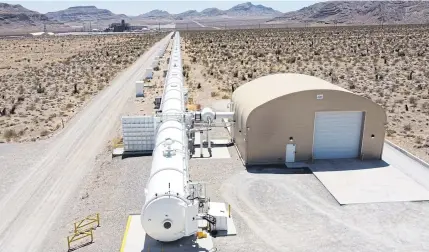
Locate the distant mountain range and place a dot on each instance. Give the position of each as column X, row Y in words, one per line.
column 15, row 17
column 360, row 12
column 92, row 13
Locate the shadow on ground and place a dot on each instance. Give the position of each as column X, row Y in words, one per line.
column 186, row 244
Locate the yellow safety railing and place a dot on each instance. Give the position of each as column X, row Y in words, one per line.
column 117, row 143
column 79, row 235
column 89, row 220
column 84, row 228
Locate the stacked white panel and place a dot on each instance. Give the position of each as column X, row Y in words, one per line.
column 138, row 133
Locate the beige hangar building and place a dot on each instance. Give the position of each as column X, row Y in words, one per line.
column 293, row 117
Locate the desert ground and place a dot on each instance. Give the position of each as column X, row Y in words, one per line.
column 46, row 80
column 388, row 65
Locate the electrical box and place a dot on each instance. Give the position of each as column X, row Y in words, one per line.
column 157, row 102
column 220, row 213
column 148, row 73
column 139, row 88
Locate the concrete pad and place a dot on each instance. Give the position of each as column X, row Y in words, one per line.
column 231, row 230
column 219, row 148
column 118, row 152
column 136, row 240
column 224, row 141
column 352, row 181
column 217, row 152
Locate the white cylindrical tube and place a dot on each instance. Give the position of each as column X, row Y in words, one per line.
column 163, row 214
column 220, row 115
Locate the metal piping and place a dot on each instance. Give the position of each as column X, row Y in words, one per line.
column 209, row 145
column 201, row 143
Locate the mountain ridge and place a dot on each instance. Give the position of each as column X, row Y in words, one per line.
column 360, row 12
column 84, row 13
column 16, row 13
column 92, row 13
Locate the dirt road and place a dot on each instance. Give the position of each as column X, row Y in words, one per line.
column 30, row 205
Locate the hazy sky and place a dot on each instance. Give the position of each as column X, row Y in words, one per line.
column 139, row 7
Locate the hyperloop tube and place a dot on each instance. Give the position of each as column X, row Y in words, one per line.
column 163, row 214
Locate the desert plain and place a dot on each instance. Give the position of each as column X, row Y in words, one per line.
column 46, row 80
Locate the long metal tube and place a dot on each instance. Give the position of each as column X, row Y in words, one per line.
column 209, row 144
column 166, row 192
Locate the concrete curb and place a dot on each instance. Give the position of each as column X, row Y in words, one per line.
column 408, row 154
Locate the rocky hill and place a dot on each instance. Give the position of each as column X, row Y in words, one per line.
column 18, row 15
column 249, row 9
column 84, row 13
column 187, row 14
column 157, row 14
column 360, row 12
column 212, row 12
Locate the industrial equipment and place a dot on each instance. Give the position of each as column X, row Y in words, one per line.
column 157, row 102
column 174, row 204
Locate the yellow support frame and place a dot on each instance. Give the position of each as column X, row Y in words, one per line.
column 91, row 219
column 78, row 236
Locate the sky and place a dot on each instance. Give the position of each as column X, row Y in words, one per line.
column 134, row 8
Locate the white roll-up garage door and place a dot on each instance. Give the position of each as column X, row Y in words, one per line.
column 337, row 134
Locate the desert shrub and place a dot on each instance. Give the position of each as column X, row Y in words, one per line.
column 9, row 134
column 412, row 100
column 44, row 133
column 407, row 127
column 40, row 89
column 418, row 140
column 291, row 60
column 425, row 107
column 390, row 132
column 225, row 96
column 213, row 94
column 156, row 68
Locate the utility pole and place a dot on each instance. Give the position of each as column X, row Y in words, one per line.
column 90, row 27
column 159, row 26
